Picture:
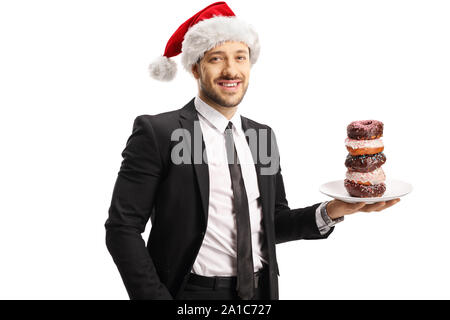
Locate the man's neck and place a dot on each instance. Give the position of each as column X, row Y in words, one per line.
column 228, row 112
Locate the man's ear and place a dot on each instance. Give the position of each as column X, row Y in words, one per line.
column 194, row 70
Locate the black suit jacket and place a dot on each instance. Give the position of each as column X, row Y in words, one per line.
column 175, row 198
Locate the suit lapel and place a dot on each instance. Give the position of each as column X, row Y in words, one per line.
column 266, row 198
column 263, row 183
column 188, row 119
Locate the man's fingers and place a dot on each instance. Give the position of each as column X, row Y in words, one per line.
column 357, row 205
column 379, row 206
column 354, row 207
column 349, row 208
column 390, row 203
column 374, row 206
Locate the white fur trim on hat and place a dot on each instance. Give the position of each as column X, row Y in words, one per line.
column 163, row 69
column 208, row 33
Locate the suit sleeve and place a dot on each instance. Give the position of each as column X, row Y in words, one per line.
column 132, row 202
column 293, row 224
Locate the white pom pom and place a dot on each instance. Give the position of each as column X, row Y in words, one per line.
column 163, row 69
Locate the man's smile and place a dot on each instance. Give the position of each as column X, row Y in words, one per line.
column 230, row 85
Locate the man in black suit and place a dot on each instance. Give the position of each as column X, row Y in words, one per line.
column 214, row 224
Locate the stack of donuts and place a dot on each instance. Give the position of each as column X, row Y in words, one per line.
column 365, row 177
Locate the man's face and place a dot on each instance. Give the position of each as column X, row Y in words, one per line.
column 223, row 73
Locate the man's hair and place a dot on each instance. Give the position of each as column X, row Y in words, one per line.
column 200, row 58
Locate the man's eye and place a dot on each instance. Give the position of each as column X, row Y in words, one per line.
column 242, row 58
column 215, row 59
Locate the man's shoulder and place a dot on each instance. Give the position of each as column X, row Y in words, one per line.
column 158, row 126
column 256, row 125
column 161, row 122
column 163, row 117
column 167, row 118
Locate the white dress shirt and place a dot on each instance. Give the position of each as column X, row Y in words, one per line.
column 217, row 255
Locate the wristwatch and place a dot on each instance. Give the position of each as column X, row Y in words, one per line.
column 330, row 222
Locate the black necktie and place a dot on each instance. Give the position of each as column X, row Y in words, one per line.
column 245, row 283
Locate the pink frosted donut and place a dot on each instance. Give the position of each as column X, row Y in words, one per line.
column 365, row 130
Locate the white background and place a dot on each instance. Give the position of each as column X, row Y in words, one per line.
column 73, row 76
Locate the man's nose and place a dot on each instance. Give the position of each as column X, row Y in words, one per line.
column 230, row 69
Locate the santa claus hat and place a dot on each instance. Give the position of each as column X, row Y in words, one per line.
column 205, row 30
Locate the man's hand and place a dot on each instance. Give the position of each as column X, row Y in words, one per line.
column 338, row 208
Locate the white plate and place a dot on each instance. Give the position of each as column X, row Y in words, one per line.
column 394, row 189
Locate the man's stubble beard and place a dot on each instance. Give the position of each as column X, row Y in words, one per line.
column 216, row 98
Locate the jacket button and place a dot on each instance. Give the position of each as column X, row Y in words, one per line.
column 203, row 233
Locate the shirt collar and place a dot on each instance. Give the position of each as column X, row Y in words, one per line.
column 218, row 120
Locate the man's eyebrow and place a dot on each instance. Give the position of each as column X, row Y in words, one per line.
column 223, row 52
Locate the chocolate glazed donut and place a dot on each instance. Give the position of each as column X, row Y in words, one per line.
column 365, row 130
column 365, row 163
column 362, row 191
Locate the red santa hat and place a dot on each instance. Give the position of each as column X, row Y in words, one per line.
column 205, row 30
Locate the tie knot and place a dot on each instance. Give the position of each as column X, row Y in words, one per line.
column 229, row 126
